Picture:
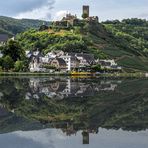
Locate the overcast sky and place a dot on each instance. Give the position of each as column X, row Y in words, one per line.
column 55, row 9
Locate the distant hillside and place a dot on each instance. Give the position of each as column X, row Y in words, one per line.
column 131, row 38
column 125, row 41
column 13, row 26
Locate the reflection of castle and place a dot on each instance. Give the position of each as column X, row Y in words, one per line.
column 58, row 89
column 70, row 128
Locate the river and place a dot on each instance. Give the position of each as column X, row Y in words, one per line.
column 70, row 112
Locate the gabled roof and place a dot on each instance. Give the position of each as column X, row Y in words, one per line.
column 87, row 57
column 36, row 54
column 61, row 61
column 73, row 58
column 4, row 37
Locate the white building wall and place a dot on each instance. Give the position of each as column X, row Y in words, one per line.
column 67, row 59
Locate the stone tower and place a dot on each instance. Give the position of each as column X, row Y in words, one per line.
column 85, row 135
column 86, row 10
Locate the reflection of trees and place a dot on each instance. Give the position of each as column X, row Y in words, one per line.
column 12, row 92
column 125, row 107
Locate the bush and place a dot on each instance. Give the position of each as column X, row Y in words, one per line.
column 7, row 63
column 18, row 66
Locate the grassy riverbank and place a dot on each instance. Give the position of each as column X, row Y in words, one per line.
column 138, row 75
column 135, row 75
column 31, row 74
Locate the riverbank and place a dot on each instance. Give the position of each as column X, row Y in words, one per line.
column 137, row 75
column 126, row 75
column 32, row 74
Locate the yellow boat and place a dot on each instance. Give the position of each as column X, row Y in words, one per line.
column 82, row 73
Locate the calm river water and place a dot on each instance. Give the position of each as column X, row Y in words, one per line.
column 72, row 112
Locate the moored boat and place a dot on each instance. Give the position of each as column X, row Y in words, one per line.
column 82, row 73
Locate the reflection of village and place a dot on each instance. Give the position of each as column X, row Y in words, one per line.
column 60, row 88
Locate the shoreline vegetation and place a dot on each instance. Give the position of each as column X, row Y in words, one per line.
column 126, row 75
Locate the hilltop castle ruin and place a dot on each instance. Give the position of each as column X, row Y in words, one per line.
column 71, row 20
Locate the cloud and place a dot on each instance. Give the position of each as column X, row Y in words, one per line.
column 45, row 138
column 43, row 9
column 42, row 13
column 17, row 6
column 60, row 14
column 35, row 9
column 143, row 15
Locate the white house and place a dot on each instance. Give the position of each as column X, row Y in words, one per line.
column 74, row 60
column 71, row 61
column 109, row 64
column 85, row 59
column 52, row 55
column 36, row 63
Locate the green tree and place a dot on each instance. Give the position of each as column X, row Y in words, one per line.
column 14, row 50
column 19, row 66
column 84, row 15
column 96, row 68
column 1, row 61
column 7, row 63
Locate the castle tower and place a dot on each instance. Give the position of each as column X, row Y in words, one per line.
column 86, row 10
column 85, row 135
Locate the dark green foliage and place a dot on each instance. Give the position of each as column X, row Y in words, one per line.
column 47, row 66
column 84, row 15
column 13, row 49
column 7, row 63
column 19, row 66
column 13, row 57
column 13, row 26
column 96, row 68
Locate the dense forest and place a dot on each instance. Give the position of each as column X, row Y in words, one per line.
column 13, row 26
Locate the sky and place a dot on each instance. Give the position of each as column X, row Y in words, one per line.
column 56, row 9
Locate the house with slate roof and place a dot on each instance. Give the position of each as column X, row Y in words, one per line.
column 35, row 64
column 3, row 39
column 85, row 59
column 59, row 63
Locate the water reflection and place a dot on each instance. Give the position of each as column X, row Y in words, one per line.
column 60, row 88
column 73, row 105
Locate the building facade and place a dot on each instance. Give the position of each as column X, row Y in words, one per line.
column 109, row 64
column 59, row 64
column 71, row 61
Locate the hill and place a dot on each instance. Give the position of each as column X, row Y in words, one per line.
column 131, row 36
column 125, row 41
column 13, row 26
